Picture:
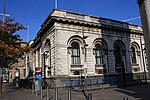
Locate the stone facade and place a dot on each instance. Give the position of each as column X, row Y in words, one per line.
column 18, row 69
column 71, row 44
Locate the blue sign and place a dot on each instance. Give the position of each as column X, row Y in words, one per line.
column 38, row 75
column 38, row 72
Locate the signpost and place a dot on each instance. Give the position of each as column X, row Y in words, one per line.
column 38, row 75
column 38, row 78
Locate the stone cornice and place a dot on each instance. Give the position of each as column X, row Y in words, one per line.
column 74, row 21
column 92, row 24
column 66, row 17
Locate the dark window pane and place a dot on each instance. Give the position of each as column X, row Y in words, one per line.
column 98, row 54
column 118, row 58
column 75, row 53
column 133, row 55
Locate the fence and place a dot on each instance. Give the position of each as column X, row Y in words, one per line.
column 78, row 83
column 91, row 83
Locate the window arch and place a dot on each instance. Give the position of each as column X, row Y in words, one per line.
column 135, row 52
column 75, row 54
column 47, row 55
column 119, row 55
column 74, row 48
column 100, row 52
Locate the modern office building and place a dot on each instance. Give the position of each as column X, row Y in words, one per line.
column 71, row 44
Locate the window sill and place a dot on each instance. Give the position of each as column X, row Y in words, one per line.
column 76, row 65
column 100, row 65
column 135, row 64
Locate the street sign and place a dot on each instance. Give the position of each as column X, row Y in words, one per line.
column 38, row 72
column 38, row 75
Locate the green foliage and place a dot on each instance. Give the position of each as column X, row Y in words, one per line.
column 10, row 43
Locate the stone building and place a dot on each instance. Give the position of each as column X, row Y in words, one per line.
column 71, row 44
column 28, row 62
column 18, row 69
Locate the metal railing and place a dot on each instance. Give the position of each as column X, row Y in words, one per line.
column 92, row 83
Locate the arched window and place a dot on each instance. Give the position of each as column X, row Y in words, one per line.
column 119, row 54
column 75, row 56
column 118, row 58
column 133, row 55
column 98, row 54
column 47, row 55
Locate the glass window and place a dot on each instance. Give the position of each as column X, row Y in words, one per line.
column 133, row 55
column 75, row 53
column 118, row 58
column 98, row 54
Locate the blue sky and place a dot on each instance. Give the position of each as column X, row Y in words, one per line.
column 32, row 13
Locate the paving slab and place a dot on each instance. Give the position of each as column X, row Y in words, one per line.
column 137, row 92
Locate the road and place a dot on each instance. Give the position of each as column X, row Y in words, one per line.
column 137, row 92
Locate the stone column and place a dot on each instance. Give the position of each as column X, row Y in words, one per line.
column 36, row 62
column 144, row 6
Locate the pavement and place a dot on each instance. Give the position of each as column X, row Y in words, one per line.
column 137, row 92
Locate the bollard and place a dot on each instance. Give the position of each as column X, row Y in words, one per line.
column 56, row 93
column 47, row 93
column 17, row 83
column 41, row 92
column 32, row 88
column 125, row 98
column 69, row 94
column 89, row 96
column 36, row 93
column 36, row 90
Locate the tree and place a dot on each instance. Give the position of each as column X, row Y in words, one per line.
column 10, row 45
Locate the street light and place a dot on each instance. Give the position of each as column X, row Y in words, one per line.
column 4, row 13
column 56, row 4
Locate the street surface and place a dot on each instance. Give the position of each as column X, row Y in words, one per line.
column 137, row 92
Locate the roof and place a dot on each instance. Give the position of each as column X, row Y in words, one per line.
column 84, row 19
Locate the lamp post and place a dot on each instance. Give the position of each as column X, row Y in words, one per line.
column 4, row 16
column 4, row 13
column 4, row 10
column 44, row 68
column 56, row 4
